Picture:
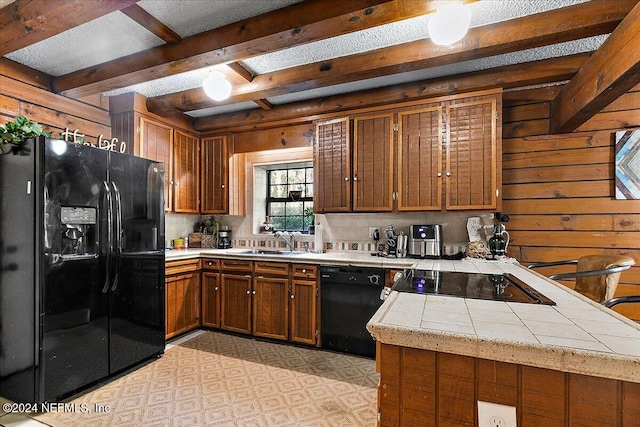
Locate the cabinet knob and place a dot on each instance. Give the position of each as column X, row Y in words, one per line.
column 355, row 178
column 448, row 173
column 292, row 296
column 171, row 182
column 254, row 292
column 439, row 173
column 222, row 186
column 209, row 263
column 346, row 178
column 248, row 292
column 304, row 270
column 215, row 289
column 177, row 183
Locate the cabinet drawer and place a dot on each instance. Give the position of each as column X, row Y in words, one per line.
column 182, row 266
column 235, row 265
column 304, row 271
column 210, row 264
column 271, row 268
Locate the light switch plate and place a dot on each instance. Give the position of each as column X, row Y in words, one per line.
column 496, row 415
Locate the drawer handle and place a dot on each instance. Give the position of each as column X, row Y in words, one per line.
column 210, row 263
column 304, row 270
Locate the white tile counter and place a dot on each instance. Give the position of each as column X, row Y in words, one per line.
column 576, row 335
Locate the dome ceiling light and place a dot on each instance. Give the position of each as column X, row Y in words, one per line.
column 216, row 86
column 450, row 23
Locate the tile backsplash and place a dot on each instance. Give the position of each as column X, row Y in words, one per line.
column 341, row 232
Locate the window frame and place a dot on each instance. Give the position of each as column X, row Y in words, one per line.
column 304, row 199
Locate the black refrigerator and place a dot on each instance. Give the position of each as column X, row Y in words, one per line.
column 81, row 267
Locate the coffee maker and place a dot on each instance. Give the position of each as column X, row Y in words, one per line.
column 224, row 238
column 425, row 241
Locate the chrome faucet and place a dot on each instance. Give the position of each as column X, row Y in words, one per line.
column 291, row 241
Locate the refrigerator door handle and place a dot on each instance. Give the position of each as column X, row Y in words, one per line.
column 118, row 235
column 107, row 193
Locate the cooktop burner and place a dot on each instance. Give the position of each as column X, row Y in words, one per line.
column 495, row 287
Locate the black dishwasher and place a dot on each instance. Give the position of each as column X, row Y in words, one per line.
column 349, row 296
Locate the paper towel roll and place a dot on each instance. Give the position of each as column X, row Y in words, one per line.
column 318, row 244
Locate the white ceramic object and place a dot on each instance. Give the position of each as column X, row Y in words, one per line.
column 475, row 229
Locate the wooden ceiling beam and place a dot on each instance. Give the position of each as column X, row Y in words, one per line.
column 513, row 76
column 264, row 104
column 300, row 23
column 240, row 70
column 582, row 20
column 612, row 71
column 152, row 24
column 26, row 22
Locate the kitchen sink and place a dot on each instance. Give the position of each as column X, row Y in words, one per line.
column 270, row 252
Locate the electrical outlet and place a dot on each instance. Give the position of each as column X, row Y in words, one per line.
column 495, row 415
column 372, row 230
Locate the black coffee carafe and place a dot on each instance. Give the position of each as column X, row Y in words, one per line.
column 499, row 242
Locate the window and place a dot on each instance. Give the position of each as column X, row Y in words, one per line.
column 289, row 196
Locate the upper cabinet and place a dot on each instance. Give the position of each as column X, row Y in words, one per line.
column 420, row 159
column 214, row 178
column 442, row 155
column 373, row 163
column 332, row 167
column 471, row 155
column 186, row 176
column 156, row 143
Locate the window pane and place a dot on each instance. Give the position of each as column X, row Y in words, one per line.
column 296, row 176
column 309, row 174
column 294, row 208
column 308, row 190
column 277, row 209
column 279, row 191
column 294, row 223
column 278, row 177
column 278, row 222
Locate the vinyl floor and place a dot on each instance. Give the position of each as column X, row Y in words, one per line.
column 217, row 379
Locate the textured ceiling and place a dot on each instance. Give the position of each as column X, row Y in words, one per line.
column 115, row 35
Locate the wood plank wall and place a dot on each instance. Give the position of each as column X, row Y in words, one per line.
column 22, row 95
column 559, row 189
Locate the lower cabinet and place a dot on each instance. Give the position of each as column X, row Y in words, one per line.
column 211, row 291
column 182, row 293
column 303, row 310
column 271, row 300
column 267, row 299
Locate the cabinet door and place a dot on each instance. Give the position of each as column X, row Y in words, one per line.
column 186, row 173
column 235, row 310
column 420, row 159
column 271, row 307
column 471, row 155
column 332, row 167
column 211, row 299
column 304, row 296
column 156, row 143
column 214, row 194
column 373, row 163
column 182, row 303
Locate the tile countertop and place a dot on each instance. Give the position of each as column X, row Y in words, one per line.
column 576, row 335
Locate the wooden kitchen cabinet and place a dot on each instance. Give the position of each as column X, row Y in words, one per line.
column 186, row 173
column 235, row 298
column 156, row 143
column 270, row 313
column 420, row 160
column 211, row 292
column 304, row 304
column 214, row 182
column 332, row 167
column 448, row 157
column 373, row 150
column 182, row 297
column 471, row 155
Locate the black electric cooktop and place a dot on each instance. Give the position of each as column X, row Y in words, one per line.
column 495, row 287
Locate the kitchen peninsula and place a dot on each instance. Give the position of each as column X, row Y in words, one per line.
column 575, row 363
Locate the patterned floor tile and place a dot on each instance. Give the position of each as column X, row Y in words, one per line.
column 221, row 380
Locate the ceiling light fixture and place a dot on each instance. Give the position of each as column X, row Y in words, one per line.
column 449, row 24
column 216, row 86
